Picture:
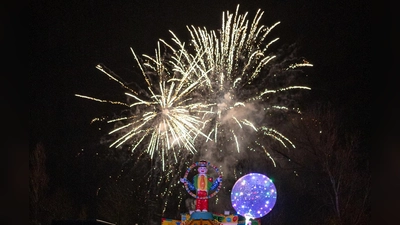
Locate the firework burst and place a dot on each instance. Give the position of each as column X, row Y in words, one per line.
column 212, row 89
column 239, row 79
column 164, row 119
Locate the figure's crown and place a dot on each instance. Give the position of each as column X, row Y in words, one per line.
column 202, row 163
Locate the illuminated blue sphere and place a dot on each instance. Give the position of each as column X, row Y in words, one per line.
column 253, row 195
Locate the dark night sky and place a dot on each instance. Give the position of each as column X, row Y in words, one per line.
column 69, row 38
column 347, row 41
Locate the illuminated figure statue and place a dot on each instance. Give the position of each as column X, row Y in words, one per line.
column 202, row 184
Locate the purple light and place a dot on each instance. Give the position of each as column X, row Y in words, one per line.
column 253, row 195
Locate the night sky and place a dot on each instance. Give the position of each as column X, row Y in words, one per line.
column 69, row 38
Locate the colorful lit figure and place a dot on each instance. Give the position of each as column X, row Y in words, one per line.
column 202, row 184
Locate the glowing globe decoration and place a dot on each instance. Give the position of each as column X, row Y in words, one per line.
column 253, row 195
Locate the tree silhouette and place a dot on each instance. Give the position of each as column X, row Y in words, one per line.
column 38, row 181
column 336, row 170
